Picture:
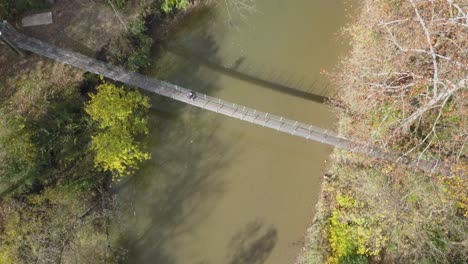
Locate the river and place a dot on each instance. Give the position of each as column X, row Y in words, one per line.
column 218, row 190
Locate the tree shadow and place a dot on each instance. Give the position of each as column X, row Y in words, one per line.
column 253, row 244
column 178, row 188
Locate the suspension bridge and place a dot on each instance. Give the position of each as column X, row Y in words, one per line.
column 18, row 41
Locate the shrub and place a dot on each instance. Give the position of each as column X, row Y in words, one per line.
column 11, row 8
column 353, row 236
column 120, row 3
column 44, row 227
column 133, row 49
column 170, row 5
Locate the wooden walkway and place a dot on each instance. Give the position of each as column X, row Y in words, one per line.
column 295, row 128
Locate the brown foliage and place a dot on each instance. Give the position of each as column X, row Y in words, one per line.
column 407, row 76
column 404, row 88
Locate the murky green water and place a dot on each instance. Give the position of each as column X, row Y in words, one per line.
column 219, row 190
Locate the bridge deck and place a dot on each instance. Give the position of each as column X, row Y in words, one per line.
column 204, row 101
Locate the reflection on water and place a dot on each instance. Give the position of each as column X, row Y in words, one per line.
column 218, row 190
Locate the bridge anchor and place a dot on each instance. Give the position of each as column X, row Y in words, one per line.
column 4, row 40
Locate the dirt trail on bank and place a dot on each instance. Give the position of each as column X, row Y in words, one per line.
column 82, row 26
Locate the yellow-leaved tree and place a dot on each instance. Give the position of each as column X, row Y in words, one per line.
column 121, row 117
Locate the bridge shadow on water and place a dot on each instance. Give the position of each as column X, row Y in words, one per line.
column 180, row 186
column 235, row 72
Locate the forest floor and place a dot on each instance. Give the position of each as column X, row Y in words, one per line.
column 81, row 26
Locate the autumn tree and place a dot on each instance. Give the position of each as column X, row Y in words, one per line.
column 120, row 116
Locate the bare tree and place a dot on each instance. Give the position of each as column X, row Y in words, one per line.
column 415, row 75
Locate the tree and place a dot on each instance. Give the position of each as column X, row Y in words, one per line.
column 169, row 5
column 61, row 224
column 121, row 117
column 19, row 157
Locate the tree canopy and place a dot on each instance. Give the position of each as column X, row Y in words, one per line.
column 120, row 116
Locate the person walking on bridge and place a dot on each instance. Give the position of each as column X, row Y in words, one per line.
column 191, row 95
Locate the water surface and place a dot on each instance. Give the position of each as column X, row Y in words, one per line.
column 219, row 190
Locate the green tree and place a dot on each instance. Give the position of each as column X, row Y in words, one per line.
column 121, row 119
column 170, row 5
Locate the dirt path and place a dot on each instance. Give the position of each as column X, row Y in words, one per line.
column 83, row 26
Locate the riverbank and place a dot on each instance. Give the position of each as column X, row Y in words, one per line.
column 404, row 88
column 55, row 205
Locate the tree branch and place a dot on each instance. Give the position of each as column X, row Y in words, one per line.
column 431, row 48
